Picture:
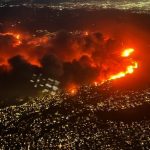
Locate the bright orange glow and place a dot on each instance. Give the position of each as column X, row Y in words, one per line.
column 116, row 76
column 72, row 89
column 16, row 36
column 129, row 69
column 88, row 57
column 127, row 52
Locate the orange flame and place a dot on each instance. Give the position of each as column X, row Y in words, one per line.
column 72, row 89
column 127, row 52
column 18, row 41
column 16, row 36
column 130, row 69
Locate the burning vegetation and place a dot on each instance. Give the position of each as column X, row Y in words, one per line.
column 129, row 69
column 72, row 58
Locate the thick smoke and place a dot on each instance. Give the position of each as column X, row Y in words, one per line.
column 77, row 58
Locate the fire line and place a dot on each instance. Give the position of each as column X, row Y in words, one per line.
column 129, row 69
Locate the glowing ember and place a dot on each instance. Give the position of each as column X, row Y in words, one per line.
column 18, row 36
column 72, row 89
column 91, row 63
column 127, row 52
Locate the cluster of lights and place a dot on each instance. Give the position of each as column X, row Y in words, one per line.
column 46, row 85
column 62, row 122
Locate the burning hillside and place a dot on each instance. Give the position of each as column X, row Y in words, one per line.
column 72, row 57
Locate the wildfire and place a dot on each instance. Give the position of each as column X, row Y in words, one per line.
column 130, row 69
column 16, row 36
column 26, row 53
column 127, row 52
column 98, row 66
column 72, row 89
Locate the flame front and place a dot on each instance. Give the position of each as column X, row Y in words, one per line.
column 92, row 64
column 130, row 69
